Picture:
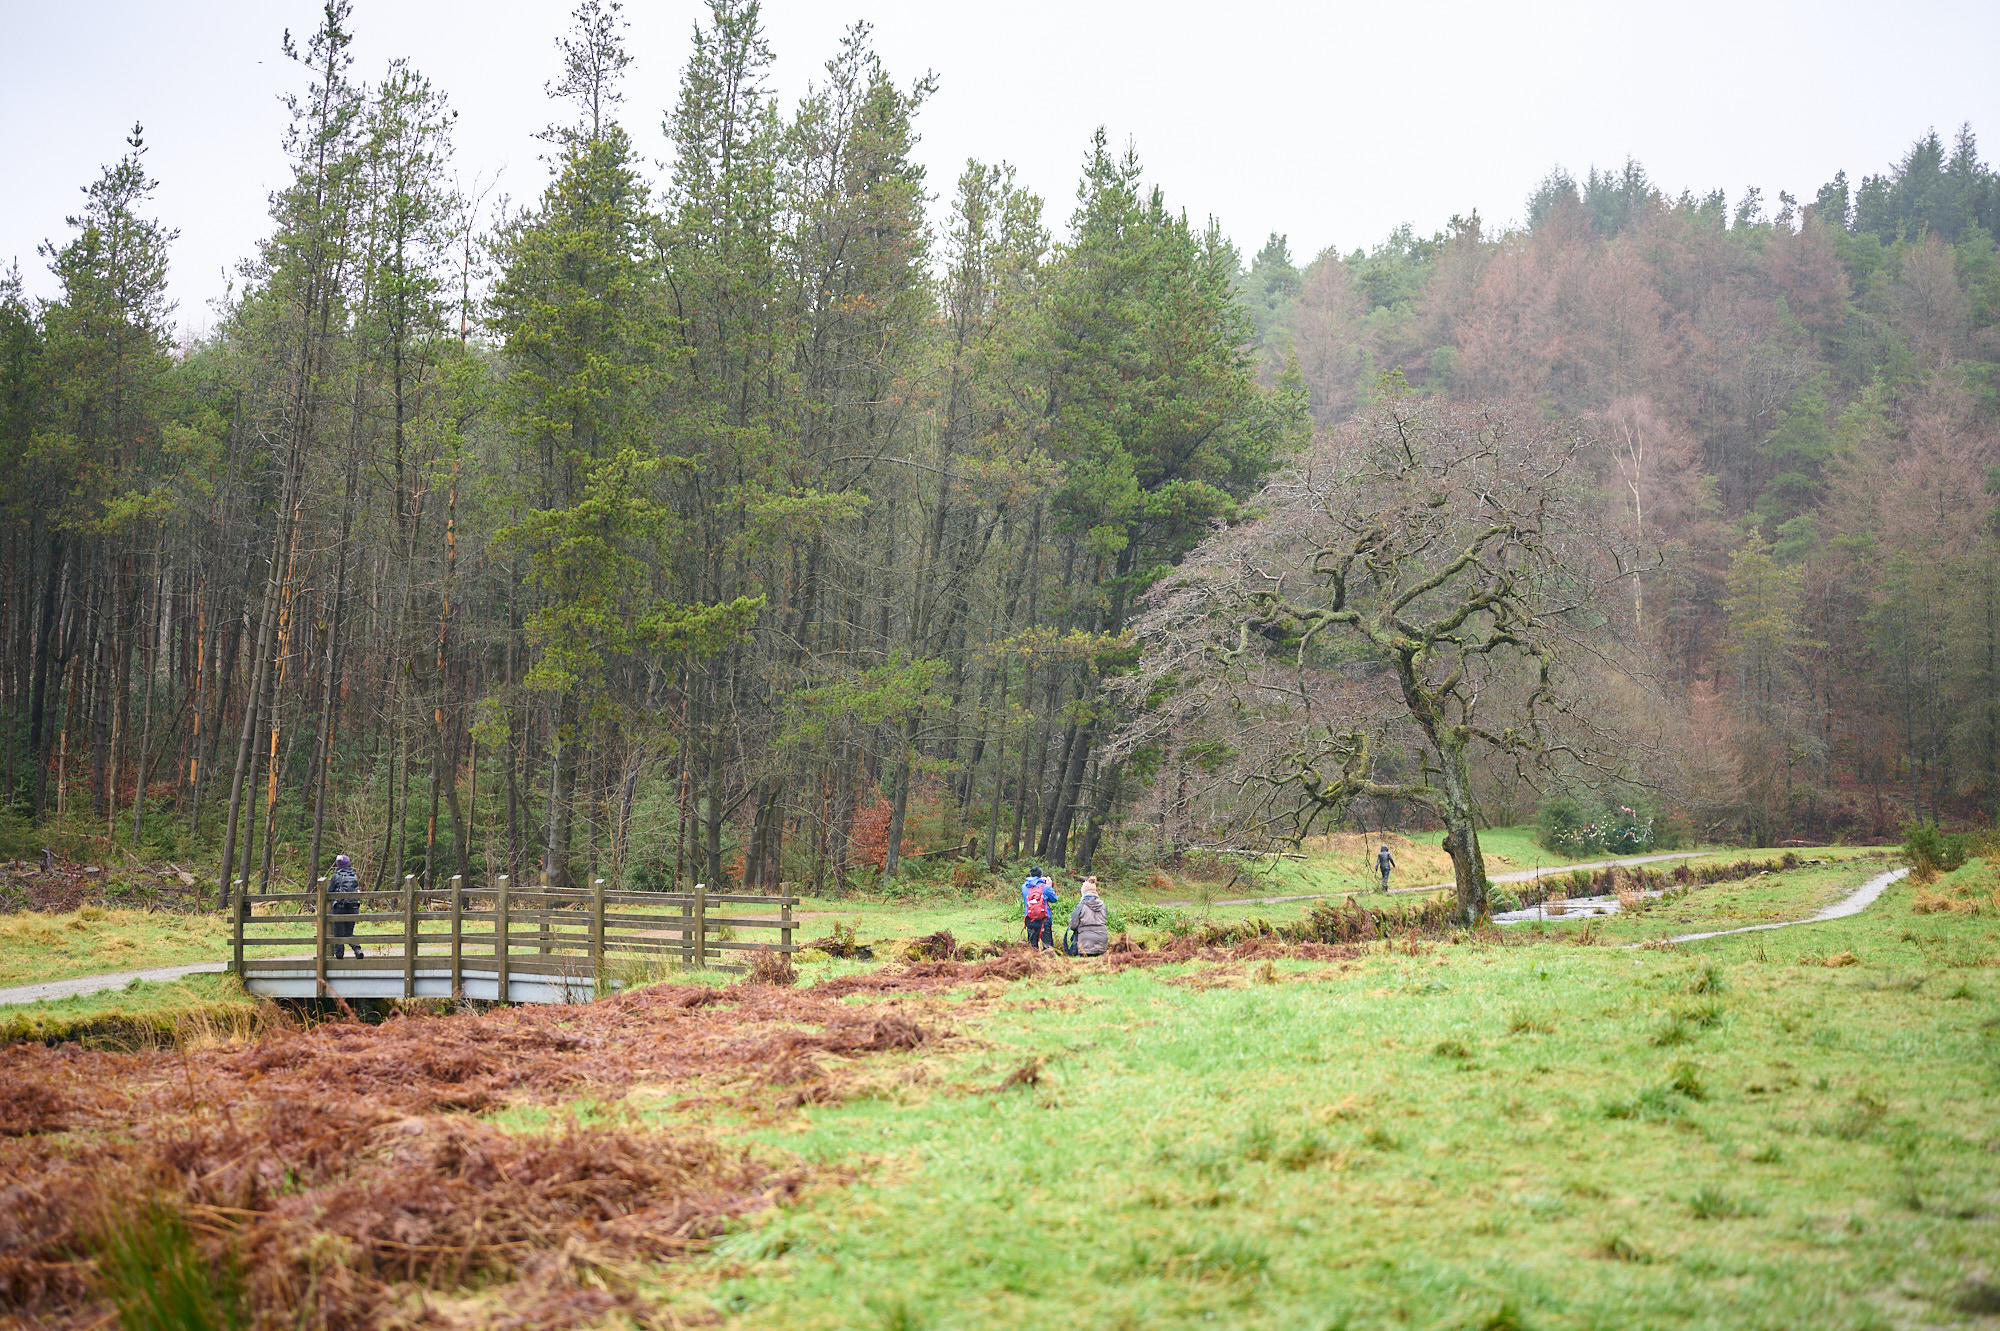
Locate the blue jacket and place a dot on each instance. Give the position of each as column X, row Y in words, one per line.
column 343, row 889
column 1048, row 894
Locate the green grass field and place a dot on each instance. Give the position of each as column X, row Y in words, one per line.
column 141, row 1013
column 1538, row 1128
column 1534, row 1135
column 36, row 947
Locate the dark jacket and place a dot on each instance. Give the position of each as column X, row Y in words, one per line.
column 344, row 892
column 1091, row 919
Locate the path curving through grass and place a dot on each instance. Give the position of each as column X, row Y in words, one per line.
column 1860, row 899
column 1522, row 876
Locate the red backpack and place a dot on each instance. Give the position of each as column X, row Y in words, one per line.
column 1038, row 905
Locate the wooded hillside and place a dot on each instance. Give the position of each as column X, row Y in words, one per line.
column 1804, row 407
column 725, row 523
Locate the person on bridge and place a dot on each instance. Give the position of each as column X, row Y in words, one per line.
column 345, row 890
column 1384, row 862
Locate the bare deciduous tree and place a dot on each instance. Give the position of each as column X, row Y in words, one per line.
column 1430, row 580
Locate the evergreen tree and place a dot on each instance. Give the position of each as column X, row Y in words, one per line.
column 577, row 305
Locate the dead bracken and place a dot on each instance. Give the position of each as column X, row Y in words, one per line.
column 333, row 1168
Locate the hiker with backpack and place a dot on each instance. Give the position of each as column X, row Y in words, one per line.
column 344, row 893
column 1384, row 862
column 1089, row 924
column 1038, row 900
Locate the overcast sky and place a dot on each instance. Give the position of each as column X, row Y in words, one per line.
column 1329, row 122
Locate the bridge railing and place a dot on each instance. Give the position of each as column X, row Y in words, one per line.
column 566, row 935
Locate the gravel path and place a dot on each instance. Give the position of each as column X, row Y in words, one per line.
column 93, row 984
column 97, row 984
column 1860, row 899
column 1523, row 876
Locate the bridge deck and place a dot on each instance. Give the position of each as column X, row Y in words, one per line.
column 529, row 979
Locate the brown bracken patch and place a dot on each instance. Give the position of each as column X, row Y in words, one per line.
column 338, row 1167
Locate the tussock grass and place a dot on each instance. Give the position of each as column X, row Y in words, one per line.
column 1618, row 1248
column 1714, row 1204
column 1525, row 1022
column 159, row 1279
column 1671, row 1030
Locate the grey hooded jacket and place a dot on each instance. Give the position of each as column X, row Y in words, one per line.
column 1089, row 919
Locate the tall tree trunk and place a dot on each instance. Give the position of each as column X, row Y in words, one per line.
column 993, row 815
column 461, row 832
column 246, row 743
column 126, row 637
column 1045, row 840
column 899, row 801
column 41, row 735
column 1461, row 841
column 843, row 814
column 99, row 715
column 1070, row 790
column 1109, row 782
column 437, row 793
column 763, row 863
column 562, row 792
column 146, row 705
column 713, row 814
column 389, row 819
column 228, row 648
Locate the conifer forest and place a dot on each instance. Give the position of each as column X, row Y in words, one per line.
column 779, row 514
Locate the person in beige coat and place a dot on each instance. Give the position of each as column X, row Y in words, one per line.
column 1090, row 922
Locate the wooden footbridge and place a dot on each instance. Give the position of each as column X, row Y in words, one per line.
column 527, row 944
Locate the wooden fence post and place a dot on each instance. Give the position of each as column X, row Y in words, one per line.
column 409, row 935
column 500, row 936
column 600, row 969
column 687, row 933
column 457, row 941
column 701, row 926
column 542, row 917
column 319, row 937
column 241, row 902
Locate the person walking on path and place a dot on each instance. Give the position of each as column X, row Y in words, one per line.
column 1384, row 862
column 344, row 887
column 1038, row 903
column 1090, row 922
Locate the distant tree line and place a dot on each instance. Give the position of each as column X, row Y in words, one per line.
column 1800, row 406
column 706, row 526
column 725, row 523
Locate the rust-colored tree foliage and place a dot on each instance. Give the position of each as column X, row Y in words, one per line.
column 1820, row 380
